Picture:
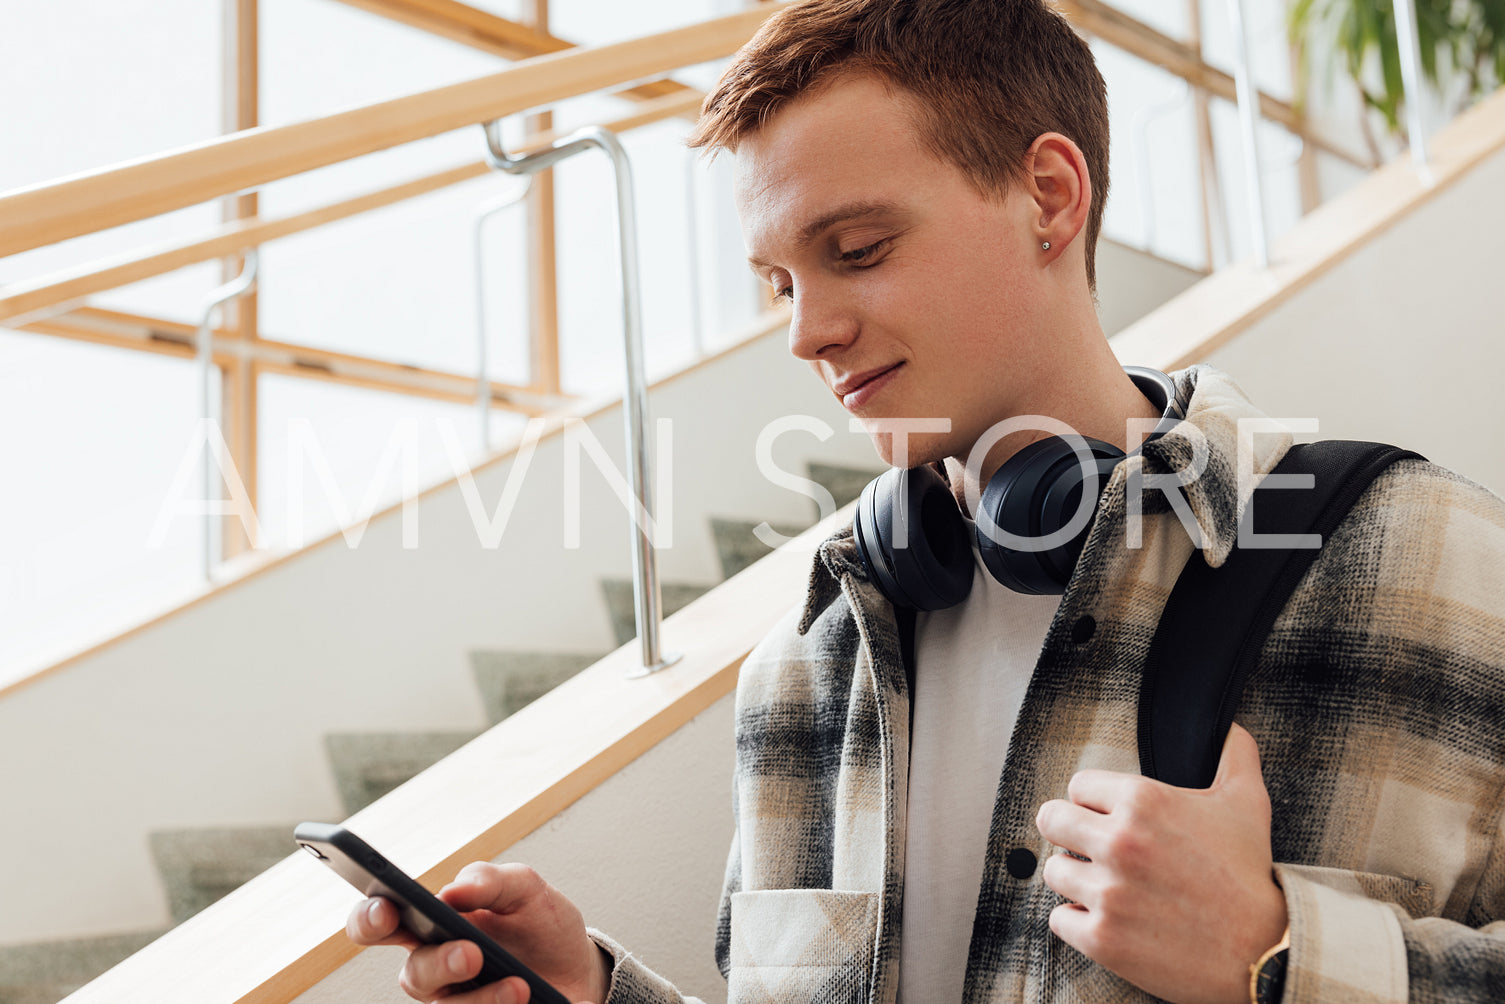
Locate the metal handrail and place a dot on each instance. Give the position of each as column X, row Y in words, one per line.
column 1409, row 38
column 234, row 289
column 485, row 211
column 646, row 593
column 1248, row 112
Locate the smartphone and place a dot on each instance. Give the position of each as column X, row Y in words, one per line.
column 426, row 916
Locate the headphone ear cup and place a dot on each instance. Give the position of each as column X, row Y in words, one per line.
column 933, row 567
column 1036, row 493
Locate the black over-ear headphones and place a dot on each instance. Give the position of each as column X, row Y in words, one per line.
column 1031, row 506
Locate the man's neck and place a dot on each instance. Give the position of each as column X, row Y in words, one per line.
column 1096, row 400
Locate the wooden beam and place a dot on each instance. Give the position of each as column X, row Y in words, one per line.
column 468, row 25
column 240, row 405
column 1306, row 167
column 238, row 385
column 239, row 358
column 483, row 30
column 112, row 196
column 1095, row 17
column 28, row 298
column 543, row 280
column 543, row 253
column 241, row 110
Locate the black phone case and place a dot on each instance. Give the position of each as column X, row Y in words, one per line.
column 429, row 918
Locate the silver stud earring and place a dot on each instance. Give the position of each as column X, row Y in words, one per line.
column 1045, row 246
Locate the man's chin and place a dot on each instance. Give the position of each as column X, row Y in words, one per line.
column 909, row 450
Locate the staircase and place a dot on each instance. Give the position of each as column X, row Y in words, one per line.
column 199, row 866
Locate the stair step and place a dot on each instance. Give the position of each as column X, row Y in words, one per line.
column 619, row 604
column 737, row 546
column 47, row 971
column 367, row 765
column 200, row 866
column 844, row 483
column 511, row 680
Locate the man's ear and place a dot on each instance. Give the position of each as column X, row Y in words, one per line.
column 1060, row 186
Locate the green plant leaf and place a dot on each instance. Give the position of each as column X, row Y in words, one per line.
column 1390, row 70
column 1432, row 27
column 1299, row 21
column 1455, row 37
column 1352, row 42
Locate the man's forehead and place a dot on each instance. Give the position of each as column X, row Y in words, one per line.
column 821, row 161
column 849, row 118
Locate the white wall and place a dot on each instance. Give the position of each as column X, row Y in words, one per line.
column 1404, row 342
column 1131, row 283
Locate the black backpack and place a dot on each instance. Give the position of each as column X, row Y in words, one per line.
column 1216, row 620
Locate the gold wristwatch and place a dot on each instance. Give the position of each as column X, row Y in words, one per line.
column 1267, row 977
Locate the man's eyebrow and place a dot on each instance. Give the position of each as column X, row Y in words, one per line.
column 841, row 214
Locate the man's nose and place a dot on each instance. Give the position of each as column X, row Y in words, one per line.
column 820, row 326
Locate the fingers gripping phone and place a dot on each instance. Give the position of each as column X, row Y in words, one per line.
column 426, row 916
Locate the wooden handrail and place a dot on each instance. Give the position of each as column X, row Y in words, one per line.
column 97, row 200
column 34, row 296
column 487, row 32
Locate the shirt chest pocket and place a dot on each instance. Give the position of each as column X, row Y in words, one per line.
column 797, row 945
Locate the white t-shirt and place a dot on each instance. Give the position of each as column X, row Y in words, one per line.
column 973, row 663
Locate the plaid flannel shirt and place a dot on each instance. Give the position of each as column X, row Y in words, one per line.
column 1378, row 704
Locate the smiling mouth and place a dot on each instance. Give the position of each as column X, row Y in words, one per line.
column 854, row 393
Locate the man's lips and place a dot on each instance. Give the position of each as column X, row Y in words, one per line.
column 854, row 389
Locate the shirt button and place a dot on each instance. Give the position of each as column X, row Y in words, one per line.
column 1020, row 862
column 1083, row 629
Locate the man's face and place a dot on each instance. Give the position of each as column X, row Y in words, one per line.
column 914, row 296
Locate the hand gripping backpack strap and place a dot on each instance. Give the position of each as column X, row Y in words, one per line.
column 1216, row 620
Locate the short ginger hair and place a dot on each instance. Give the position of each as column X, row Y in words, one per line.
column 987, row 76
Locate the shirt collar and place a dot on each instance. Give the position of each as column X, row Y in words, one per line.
column 1233, row 442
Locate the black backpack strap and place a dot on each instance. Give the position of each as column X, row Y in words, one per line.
column 1216, row 620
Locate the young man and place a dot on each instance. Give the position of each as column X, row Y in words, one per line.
column 924, row 181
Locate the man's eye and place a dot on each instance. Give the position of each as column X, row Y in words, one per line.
column 783, row 293
column 863, row 254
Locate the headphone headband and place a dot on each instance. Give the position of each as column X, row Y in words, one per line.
column 1036, row 494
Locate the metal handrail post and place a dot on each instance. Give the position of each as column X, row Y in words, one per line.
column 483, row 382
column 646, row 593
column 1248, row 109
column 204, row 356
column 1409, row 38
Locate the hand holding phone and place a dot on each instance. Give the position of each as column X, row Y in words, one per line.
column 424, row 915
